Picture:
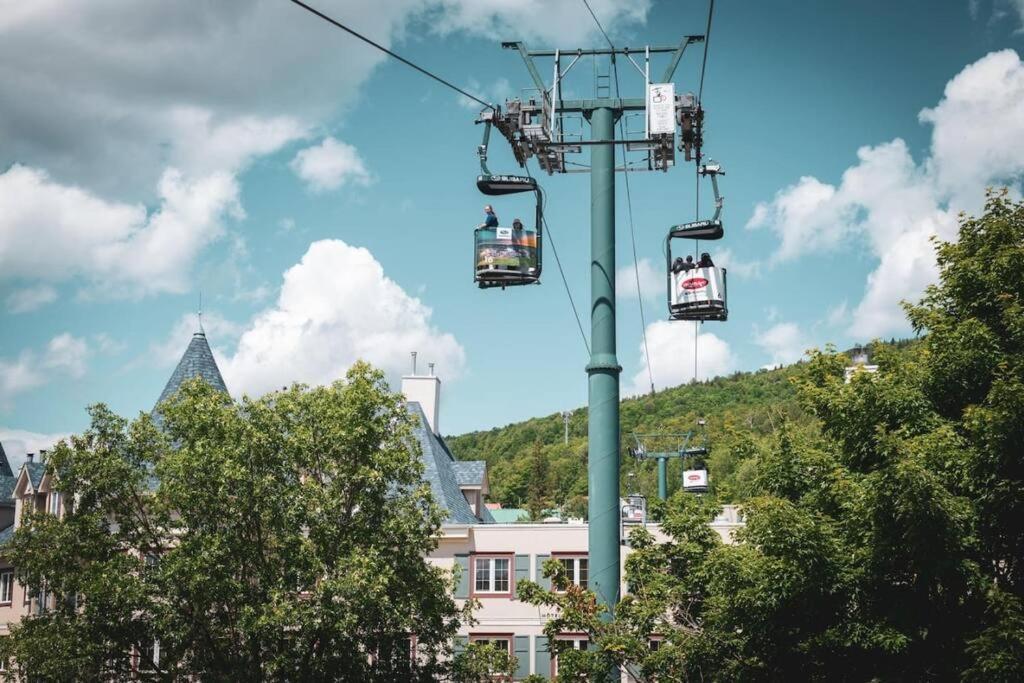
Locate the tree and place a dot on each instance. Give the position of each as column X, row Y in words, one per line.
column 275, row 539
column 537, row 500
column 883, row 542
column 483, row 663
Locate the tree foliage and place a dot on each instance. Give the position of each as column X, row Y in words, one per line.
column 275, row 539
column 885, row 540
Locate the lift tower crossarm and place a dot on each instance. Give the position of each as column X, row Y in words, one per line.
column 670, row 70
column 519, row 45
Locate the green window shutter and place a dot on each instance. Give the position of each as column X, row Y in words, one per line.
column 544, row 582
column 462, row 589
column 542, row 656
column 522, row 569
column 522, row 653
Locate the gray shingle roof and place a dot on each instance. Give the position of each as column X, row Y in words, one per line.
column 197, row 361
column 440, row 472
column 470, row 472
column 35, row 471
column 5, row 465
column 5, row 534
column 7, row 485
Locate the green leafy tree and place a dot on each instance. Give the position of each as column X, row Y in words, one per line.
column 538, row 499
column 276, row 539
column 885, row 542
column 483, row 663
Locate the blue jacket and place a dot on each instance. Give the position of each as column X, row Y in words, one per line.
column 491, row 221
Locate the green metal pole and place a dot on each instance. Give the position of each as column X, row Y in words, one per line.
column 663, row 478
column 603, row 369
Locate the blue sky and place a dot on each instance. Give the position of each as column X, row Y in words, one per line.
column 322, row 199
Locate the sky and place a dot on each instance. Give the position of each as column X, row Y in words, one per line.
column 320, row 197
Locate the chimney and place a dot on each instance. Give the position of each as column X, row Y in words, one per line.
column 29, row 457
column 42, row 455
column 425, row 390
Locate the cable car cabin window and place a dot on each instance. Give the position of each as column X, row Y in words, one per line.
column 698, row 293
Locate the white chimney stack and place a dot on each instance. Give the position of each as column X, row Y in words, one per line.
column 425, row 390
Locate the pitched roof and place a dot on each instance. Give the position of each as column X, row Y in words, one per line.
column 440, row 472
column 5, row 534
column 5, row 465
column 35, row 471
column 196, row 362
column 7, row 485
column 470, row 472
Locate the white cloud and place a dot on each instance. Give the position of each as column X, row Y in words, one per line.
column 495, row 92
column 896, row 205
column 330, row 165
column 128, row 88
column 18, row 442
column 784, row 342
column 672, row 361
column 337, row 306
column 652, row 280
column 30, row 298
column 53, row 232
column 64, row 355
column 735, row 266
column 221, row 333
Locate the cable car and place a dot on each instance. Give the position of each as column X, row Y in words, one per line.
column 695, row 471
column 698, row 291
column 510, row 255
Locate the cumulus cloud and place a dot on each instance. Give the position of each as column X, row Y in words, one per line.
column 495, row 92
column 128, row 88
column 896, row 205
column 330, row 165
column 784, row 343
column 30, row 298
column 336, row 306
column 19, row 442
column 652, row 280
column 671, row 347
column 64, row 355
column 53, row 232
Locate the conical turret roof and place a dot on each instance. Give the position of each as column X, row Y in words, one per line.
column 196, row 362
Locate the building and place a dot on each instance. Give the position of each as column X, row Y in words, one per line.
column 492, row 556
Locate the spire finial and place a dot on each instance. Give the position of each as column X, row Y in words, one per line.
column 201, row 312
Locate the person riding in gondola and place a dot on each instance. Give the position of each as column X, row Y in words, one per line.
column 705, row 261
column 680, row 265
column 490, row 219
column 517, row 224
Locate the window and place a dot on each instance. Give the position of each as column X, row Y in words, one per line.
column 568, row 642
column 491, row 575
column 577, row 569
column 500, row 642
column 6, row 586
column 54, row 503
column 654, row 644
column 149, row 658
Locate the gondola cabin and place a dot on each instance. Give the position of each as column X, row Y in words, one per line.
column 505, row 255
column 695, row 481
column 696, row 290
column 698, row 294
column 509, row 255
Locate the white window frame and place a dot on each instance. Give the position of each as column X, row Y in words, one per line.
column 493, row 639
column 492, row 579
column 6, row 586
column 575, row 574
column 579, row 642
column 53, row 503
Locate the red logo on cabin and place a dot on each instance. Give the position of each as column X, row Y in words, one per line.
column 694, row 283
column 693, row 477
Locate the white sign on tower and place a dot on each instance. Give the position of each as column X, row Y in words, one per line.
column 661, row 109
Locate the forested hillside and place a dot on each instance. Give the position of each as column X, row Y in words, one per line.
column 531, row 466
